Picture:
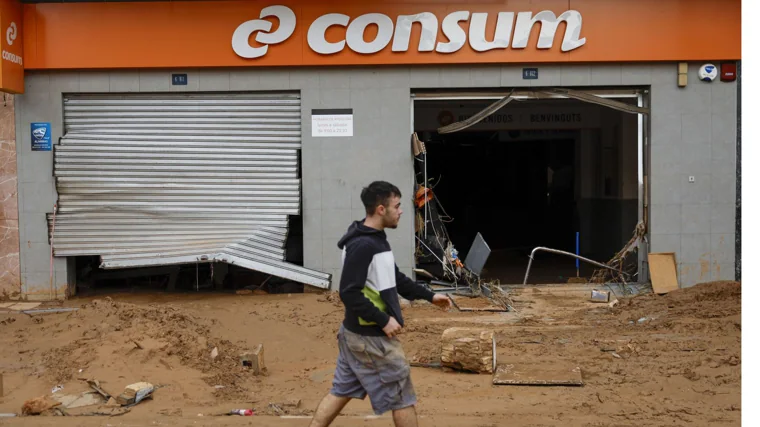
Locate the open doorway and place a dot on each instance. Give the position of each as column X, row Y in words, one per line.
column 556, row 173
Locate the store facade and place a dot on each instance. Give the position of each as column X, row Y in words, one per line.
column 151, row 133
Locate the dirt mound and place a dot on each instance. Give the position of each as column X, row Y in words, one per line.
column 714, row 306
column 161, row 332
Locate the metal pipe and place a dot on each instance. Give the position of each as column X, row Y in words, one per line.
column 556, row 251
column 424, row 165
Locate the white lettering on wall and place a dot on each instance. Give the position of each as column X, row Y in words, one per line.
column 428, row 35
column 401, row 35
column 549, row 23
column 503, row 31
column 242, row 34
column 451, row 29
column 12, row 57
column 316, row 35
column 355, row 33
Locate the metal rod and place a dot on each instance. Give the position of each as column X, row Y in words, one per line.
column 53, row 290
column 424, row 195
column 556, row 251
column 577, row 252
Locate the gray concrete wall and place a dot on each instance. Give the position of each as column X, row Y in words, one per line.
column 692, row 133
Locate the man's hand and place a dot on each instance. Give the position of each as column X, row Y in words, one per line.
column 442, row 301
column 392, row 328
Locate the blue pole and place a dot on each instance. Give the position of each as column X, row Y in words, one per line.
column 577, row 252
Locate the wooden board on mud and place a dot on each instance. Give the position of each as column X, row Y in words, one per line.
column 475, row 304
column 549, row 374
column 20, row 306
column 662, row 269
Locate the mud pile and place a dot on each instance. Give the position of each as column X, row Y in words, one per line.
column 160, row 333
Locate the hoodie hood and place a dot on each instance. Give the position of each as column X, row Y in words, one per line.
column 357, row 228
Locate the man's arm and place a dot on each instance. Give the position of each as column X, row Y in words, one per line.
column 410, row 290
column 352, row 281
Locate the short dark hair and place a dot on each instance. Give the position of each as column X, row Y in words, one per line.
column 378, row 193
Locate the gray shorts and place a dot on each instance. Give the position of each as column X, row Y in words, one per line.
column 374, row 366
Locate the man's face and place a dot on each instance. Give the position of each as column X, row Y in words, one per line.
column 391, row 214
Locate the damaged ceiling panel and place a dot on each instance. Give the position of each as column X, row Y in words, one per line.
column 147, row 180
column 591, row 97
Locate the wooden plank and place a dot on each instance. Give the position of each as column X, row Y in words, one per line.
column 662, row 270
column 548, row 374
column 468, row 349
column 21, row 306
column 475, row 304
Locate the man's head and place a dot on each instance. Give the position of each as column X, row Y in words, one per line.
column 382, row 201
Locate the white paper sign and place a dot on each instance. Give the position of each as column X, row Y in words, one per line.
column 332, row 122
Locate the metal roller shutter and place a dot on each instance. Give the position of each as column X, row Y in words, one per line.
column 148, row 180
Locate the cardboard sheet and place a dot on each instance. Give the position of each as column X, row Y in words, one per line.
column 662, row 271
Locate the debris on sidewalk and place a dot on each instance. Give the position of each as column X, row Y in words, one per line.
column 135, row 393
column 466, row 349
column 243, row 412
column 600, row 296
column 38, row 405
column 621, row 265
column 555, row 374
column 95, row 385
column 74, row 401
column 214, row 353
column 475, row 303
column 287, row 407
column 255, row 360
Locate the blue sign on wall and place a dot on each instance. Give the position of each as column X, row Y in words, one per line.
column 179, row 79
column 41, row 137
column 530, row 73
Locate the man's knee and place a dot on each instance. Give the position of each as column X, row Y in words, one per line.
column 405, row 417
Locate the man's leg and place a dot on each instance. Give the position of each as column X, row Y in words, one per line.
column 406, row 417
column 328, row 410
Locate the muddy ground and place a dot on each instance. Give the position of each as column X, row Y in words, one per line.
column 650, row 361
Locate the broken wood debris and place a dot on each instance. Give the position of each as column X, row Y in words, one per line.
column 74, row 401
column 95, row 385
column 38, row 405
column 538, row 375
column 254, row 360
column 467, row 349
column 619, row 268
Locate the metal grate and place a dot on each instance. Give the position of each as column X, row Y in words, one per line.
column 147, row 180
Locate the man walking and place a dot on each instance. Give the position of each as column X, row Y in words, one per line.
column 371, row 360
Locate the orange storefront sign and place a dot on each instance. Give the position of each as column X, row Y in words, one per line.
column 294, row 33
column 11, row 47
